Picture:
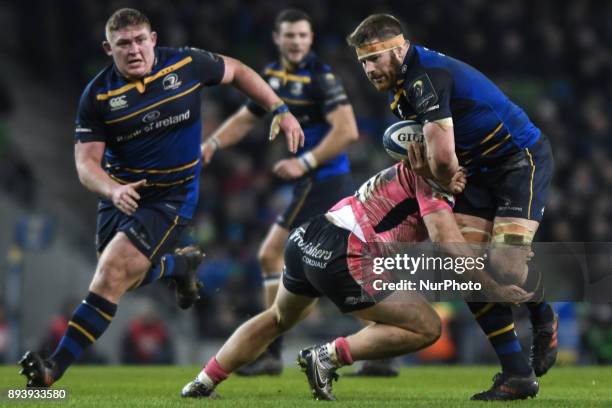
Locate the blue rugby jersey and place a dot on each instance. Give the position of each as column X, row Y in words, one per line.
column 152, row 127
column 311, row 91
column 487, row 125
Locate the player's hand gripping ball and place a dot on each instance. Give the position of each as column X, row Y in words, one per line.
column 400, row 135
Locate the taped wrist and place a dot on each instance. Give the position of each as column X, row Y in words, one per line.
column 279, row 108
column 308, row 161
column 214, row 143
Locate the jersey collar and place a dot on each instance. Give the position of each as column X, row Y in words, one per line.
column 408, row 60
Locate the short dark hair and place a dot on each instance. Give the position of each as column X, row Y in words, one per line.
column 375, row 27
column 290, row 16
column 126, row 17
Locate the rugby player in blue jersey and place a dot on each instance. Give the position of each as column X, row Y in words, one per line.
column 467, row 121
column 137, row 146
column 320, row 171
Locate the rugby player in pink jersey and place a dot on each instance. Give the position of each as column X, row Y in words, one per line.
column 324, row 257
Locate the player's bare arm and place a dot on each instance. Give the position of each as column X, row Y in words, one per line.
column 440, row 141
column 251, row 84
column 88, row 157
column 232, row 131
column 442, row 228
column 417, row 161
column 343, row 132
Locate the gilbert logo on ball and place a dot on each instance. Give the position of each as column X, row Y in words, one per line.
column 400, row 135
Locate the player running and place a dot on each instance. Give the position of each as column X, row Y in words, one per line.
column 325, row 257
column 468, row 121
column 321, row 170
column 137, row 146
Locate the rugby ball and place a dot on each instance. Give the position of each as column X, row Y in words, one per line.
column 400, row 135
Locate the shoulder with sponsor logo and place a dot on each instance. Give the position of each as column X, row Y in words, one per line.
column 420, row 91
column 424, row 79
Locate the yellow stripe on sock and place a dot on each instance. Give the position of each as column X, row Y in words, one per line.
column 82, row 330
column 104, row 315
column 501, row 331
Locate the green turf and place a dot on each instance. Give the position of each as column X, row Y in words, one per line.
column 416, row 387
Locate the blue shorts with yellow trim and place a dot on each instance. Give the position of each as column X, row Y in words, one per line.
column 155, row 228
column 516, row 186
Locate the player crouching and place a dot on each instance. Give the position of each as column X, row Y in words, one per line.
column 324, row 257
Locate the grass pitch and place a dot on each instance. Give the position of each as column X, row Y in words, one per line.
column 439, row 386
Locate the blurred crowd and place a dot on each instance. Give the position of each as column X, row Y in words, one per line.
column 550, row 57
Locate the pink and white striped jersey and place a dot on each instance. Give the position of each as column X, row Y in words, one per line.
column 386, row 209
column 390, row 207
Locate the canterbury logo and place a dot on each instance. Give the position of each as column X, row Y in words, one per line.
column 118, row 102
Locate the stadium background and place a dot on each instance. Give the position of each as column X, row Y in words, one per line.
column 550, row 57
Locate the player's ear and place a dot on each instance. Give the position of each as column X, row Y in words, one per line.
column 275, row 37
column 107, row 48
column 400, row 52
column 154, row 38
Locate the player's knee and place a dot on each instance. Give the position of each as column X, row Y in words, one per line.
column 432, row 330
column 282, row 320
column 111, row 277
column 429, row 327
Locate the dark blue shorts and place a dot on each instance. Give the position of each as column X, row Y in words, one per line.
column 516, row 186
column 327, row 275
column 314, row 197
column 326, row 271
column 155, row 228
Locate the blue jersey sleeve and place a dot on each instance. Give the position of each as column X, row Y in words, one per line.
column 210, row 67
column 330, row 91
column 89, row 126
column 429, row 94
